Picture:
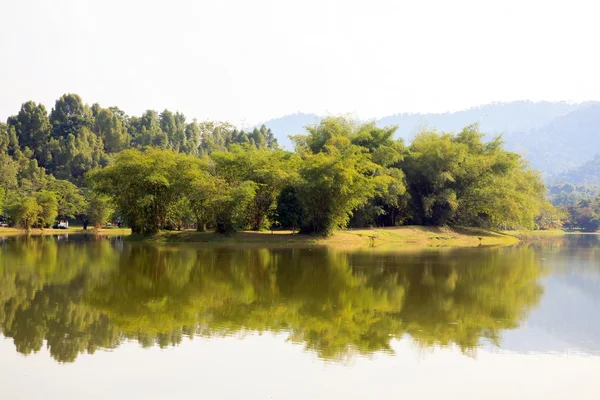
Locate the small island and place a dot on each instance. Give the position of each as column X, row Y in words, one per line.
column 346, row 184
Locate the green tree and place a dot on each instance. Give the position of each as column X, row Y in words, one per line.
column 47, row 208
column 231, row 205
column 143, row 185
column 202, row 191
column 2, row 197
column 289, row 209
column 79, row 154
column 112, row 131
column 71, row 201
column 192, row 138
column 270, row 170
column 33, row 129
column 24, row 212
column 459, row 179
column 148, row 131
column 69, row 115
column 9, row 172
column 98, row 211
column 334, row 182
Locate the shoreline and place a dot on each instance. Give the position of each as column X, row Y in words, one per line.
column 8, row 232
column 375, row 238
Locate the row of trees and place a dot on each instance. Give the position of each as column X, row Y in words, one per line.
column 577, row 205
column 342, row 173
column 31, row 198
column 584, row 215
column 75, row 138
column 159, row 171
column 44, row 157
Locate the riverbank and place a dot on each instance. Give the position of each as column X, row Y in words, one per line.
column 536, row 235
column 384, row 238
column 71, row 231
column 381, row 238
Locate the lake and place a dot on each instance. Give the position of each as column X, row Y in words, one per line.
column 86, row 318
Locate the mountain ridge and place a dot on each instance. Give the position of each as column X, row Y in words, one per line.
column 555, row 137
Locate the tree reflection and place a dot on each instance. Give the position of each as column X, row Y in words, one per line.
column 78, row 297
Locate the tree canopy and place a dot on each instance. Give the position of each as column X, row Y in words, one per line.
column 160, row 170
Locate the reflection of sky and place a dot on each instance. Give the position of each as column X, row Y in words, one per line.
column 268, row 367
column 568, row 317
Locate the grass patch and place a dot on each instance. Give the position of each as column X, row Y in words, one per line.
column 377, row 238
column 381, row 238
column 70, row 231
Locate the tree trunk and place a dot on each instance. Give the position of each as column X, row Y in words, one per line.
column 200, row 226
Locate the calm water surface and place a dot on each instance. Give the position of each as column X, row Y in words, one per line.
column 100, row 318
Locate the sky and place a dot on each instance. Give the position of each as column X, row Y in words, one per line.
column 250, row 61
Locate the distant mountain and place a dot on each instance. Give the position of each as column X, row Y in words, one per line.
column 554, row 136
column 288, row 125
column 588, row 173
column 563, row 144
column 495, row 118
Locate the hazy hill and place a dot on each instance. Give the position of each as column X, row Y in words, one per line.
column 563, row 144
column 554, row 136
column 493, row 118
column 288, row 125
column 588, row 173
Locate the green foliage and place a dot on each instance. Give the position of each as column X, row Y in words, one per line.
column 71, row 201
column 47, row 208
column 220, row 136
column 270, row 170
column 462, row 180
column 585, row 215
column 9, row 172
column 110, row 128
column 144, row 185
column 289, row 209
column 567, row 194
column 99, row 209
column 231, row 205
column 334, row 182
column 202, row 192
column 192, row 173
column 69, row 115
column 33, row 129
column 24, row 212
column 2, row 197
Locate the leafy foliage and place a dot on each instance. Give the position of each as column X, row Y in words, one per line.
column 160, row 171
column 144, row 186
column 462, row 180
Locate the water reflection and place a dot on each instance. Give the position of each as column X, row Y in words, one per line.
column 79, row 296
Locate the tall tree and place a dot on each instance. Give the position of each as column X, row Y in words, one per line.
column 459, row 179
column 144, row 185
column 33, row 129
column 110, row 128
column 69, row 115
column 334, row 182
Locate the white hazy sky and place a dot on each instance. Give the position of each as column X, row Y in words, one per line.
column 248, row 61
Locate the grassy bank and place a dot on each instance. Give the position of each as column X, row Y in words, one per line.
column 71, row 231
column 535, row 235
column 383, row 238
